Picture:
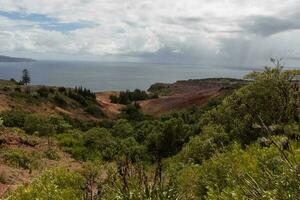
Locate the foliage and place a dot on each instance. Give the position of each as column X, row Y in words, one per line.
column 272, row 99
column 127, row 97
column 122, row 129
column 243, row 146
column 167, row 139
column 58, row 184
column 40, row 124
column 43, row 91
column 25, row 77
column 95, row 110
column 51, row 154
column 14, row 118
column 72, row 143
column 100, row 142
column 20, row 158
column 132, row 112
column 200, row 148
column 254, row 173
column 60, row 100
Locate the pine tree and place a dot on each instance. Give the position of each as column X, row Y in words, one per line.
column 25, row 77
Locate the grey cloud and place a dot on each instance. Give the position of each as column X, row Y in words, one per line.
column 181, row 20
column 266, row 25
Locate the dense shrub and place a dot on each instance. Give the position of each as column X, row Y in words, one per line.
column 60, row 100
column 254, row 173
column 101, row 143
column 85, row 92
column 73, row 144
column 20, row 158
column 62, row 89
column 58, row 184
column 132, row 112
column 77, row 97
column 14, row 118
column 43, row 91
column 127, row 97
column 78, row 123
column 51, row 154
column 200, row 148
column 122, row 129
column 40, row 124
column 95, row 111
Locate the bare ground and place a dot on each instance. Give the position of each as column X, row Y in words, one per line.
column 184, row 94
column 111, row 110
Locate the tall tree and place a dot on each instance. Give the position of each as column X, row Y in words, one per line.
column 25, row 77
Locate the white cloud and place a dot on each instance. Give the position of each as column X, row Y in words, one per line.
column 209, row 31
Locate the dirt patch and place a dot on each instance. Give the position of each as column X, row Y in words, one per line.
column 183, row 94
column 177, row 101
column 111, row 110
column 4, row 103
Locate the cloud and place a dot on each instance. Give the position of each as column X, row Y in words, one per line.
column 47, row 23
column 197, row 31
column 266, row 25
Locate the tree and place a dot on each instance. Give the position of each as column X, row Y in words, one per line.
column 25, row 77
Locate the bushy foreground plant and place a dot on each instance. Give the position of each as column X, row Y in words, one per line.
column 258, row 172
column 56, row 184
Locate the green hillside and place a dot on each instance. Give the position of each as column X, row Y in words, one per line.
column 242, row 146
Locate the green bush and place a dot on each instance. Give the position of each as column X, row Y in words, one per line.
column 20, row 158
column 202, row 147
column 43, row 91
column 51, row 154
column 73, row 144
column 62, row 89
column 60, row 100
column 127, row 97
column 58, row 184
column 14, row 118
column 122, row 129
column 100, row 142
column 252, row 173
column 40, row 124
column 94, row 110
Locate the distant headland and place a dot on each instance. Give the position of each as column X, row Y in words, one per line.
column 14, row 59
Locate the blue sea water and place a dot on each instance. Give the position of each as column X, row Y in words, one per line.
column 107, row 76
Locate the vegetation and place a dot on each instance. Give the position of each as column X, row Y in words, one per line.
column 25, row 77
column 127, row 97
column 241, row 146
column 20, row 158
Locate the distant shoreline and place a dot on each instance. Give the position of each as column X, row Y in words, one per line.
column 15, row 59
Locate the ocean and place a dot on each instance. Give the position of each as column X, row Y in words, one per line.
column 111, row 76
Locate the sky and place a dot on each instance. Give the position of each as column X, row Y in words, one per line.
column 208, row 32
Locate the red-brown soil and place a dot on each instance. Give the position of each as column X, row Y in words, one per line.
column 111, row 110
column 183, row 95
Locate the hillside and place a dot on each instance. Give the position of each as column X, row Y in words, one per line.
column 184, row 94
column 208, row 139
column 49, row 100
column 175, row 96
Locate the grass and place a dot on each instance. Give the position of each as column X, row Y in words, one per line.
column 7, row 84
